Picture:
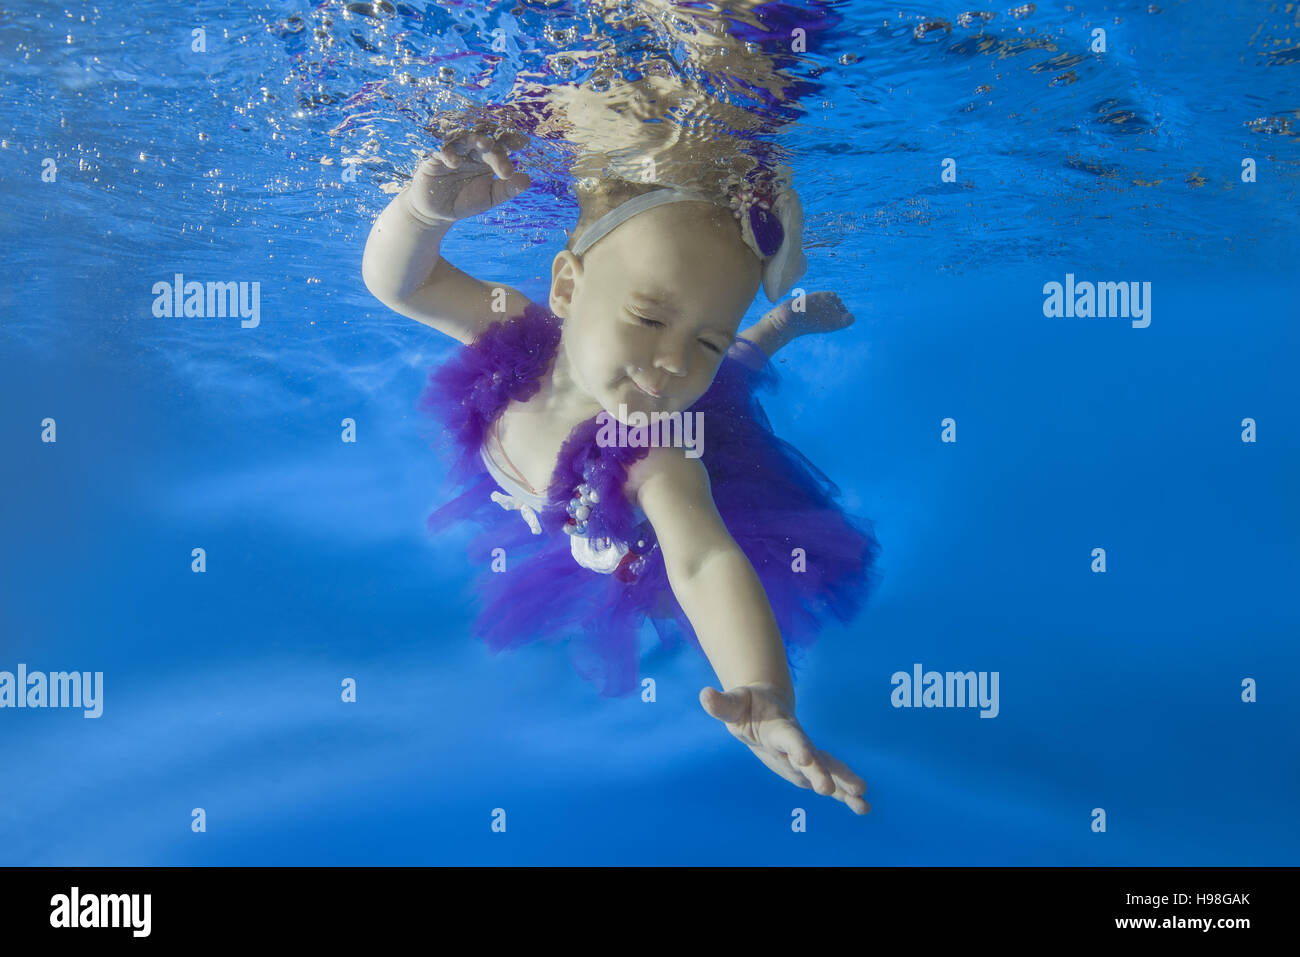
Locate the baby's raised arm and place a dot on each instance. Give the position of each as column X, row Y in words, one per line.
column 722, row 596
column 403, row 266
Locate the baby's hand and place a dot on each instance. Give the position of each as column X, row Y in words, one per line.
column 759, row 716
column 457, row 181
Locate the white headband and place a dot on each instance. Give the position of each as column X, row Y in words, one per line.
column 782, row 230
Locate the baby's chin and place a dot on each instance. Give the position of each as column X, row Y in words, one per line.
column 624, row 407
column 626, row 411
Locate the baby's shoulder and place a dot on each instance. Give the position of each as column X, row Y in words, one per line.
column 665, row 471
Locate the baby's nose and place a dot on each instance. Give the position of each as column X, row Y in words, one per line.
column 672, row 359
column 673, row 366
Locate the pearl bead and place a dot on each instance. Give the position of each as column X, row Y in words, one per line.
column 594, row 495
column 581, row 513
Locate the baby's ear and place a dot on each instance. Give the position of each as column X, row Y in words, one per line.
column 565, row 270
column 566, row 261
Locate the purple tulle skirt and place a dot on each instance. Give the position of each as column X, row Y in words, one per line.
column 772, row 499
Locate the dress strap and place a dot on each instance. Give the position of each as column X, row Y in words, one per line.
column 519, row 475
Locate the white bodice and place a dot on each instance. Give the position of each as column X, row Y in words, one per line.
column 600, row 555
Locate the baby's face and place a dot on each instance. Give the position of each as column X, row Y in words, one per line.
column 654, row 306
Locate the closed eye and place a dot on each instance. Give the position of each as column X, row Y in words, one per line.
column 655, row 322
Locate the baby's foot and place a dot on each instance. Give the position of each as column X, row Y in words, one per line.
column 823, row 312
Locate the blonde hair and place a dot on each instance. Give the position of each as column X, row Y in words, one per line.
column 598, row 197
column 594, row 201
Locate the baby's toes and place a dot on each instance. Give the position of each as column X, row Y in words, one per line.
column 819, row 320
column 836, row 319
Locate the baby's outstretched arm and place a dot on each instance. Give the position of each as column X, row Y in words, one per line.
column 722, row 596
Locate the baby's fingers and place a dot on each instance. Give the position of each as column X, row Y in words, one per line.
column 854, row 802
column 789, row 739
column 843, row 774
column 481, row 147
column 431, row 167
column 460, row 145
column 844, row 791
column 849, row 788
column 512, row 141
column 450, row 153
column 781, row 765
column 494, row 156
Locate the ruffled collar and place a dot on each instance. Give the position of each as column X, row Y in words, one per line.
column 505, row 364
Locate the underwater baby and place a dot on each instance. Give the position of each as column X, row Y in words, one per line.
column 740, row 550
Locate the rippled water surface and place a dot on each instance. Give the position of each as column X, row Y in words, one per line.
column 1109, row 141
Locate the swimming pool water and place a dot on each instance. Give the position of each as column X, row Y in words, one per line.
column 128, row 157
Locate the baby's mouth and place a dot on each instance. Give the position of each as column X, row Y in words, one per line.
column 653, row 395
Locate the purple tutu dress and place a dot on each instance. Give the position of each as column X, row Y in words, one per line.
column 595, row 587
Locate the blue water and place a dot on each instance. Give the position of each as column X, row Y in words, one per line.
column 1120, row 691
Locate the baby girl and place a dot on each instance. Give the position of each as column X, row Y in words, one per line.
column 743, row 547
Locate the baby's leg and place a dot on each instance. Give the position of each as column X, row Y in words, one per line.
column 767, row 334
column 823, row 312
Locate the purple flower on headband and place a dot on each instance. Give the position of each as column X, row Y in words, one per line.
column 752, row 205
column 767, row 229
